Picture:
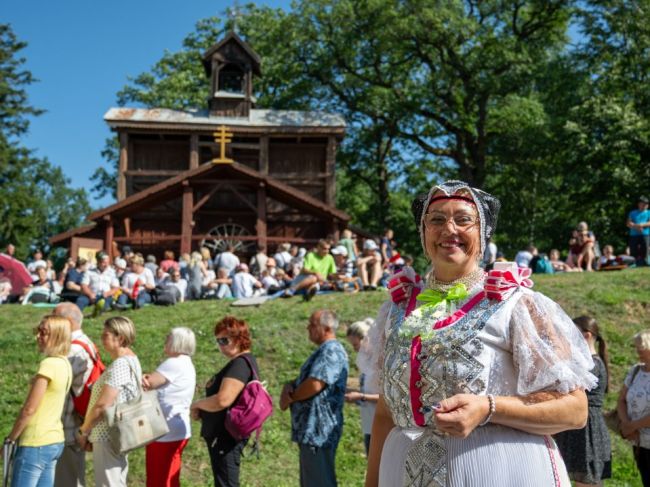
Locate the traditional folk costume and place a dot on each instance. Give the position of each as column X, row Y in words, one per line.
column 483, row 334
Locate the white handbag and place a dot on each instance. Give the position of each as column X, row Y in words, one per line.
column 137, row 422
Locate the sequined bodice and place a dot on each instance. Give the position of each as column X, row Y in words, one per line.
column 452, row 360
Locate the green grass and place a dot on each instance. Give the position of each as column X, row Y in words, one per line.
column 620, row 301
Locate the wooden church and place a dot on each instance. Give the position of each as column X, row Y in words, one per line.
column 227, row 174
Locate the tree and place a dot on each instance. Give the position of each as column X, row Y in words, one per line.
column 36, row 199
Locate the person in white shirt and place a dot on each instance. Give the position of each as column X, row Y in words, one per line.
column 98, row 284
column 227, row 260
column 283, row 257
column 524, row 257
column 137, row 284
column 175, row 380
column 71, row 466
column 243, row 283
column 37, row 261
column 178, row 282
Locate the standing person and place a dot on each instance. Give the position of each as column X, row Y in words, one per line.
column 348, row 242
column 468, row 398
column 638, row 221
column 71, row 467
column 38, row 429
column 316, row 400
column 175, row 380
column 634, row 406
column 222, row 390
column 368, row 394
column 386, row 247
column 118, row 384
column 587, row 452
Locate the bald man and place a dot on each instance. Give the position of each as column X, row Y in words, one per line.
column 71, row 467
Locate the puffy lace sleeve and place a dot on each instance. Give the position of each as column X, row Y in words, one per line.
column 371, row 354
column 549, row 352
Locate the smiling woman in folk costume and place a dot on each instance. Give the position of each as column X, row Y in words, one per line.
column 477, row 370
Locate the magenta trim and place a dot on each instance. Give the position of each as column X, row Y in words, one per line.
column 410, row 306
column 415, row 392
column 450, row 320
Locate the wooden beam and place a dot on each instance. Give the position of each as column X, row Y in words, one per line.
column 243, row 200
column 205, row 198
column 194, row 151
column 152, row 172
column 110, row 233
column 127, row 227
column 123, row 166
column 234, row 145
column 264, row 155
column 186, row 224
column 330, row 168
column 260, row 225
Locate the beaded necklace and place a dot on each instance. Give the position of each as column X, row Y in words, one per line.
column 470, row 280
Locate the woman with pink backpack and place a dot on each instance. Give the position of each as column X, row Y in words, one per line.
column 235, row 405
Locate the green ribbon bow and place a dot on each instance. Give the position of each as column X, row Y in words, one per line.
column 432, row 298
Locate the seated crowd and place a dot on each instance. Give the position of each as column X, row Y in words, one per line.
column 133, row 280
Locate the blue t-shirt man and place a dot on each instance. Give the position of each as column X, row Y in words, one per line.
column 637, row 217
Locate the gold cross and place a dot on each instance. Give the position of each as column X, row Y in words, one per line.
column 222, row 137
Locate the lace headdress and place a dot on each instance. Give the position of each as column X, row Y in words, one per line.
column 486, row 205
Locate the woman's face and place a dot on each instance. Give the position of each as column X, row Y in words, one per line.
column 110, row 340
column 355, row 341
column 42, row 336
column 644, row 354
column 452, row 236
column 226, row 344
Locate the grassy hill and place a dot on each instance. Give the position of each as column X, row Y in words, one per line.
column 619, row 300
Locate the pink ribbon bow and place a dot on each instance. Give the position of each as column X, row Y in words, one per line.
column 500, row 284
column 405, row 286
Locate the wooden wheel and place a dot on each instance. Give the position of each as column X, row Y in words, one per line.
column 221, row 237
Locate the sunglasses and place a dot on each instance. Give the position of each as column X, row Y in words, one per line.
column 223, row 341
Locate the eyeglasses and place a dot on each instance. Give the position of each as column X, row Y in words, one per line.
column 223, row 341
column 461, row 221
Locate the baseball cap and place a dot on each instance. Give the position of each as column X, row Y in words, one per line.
column 643, row 199
column 339, row 250
column 370, row 245
column 120, row 263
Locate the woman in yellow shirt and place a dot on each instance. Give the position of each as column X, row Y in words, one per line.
column 38, row 428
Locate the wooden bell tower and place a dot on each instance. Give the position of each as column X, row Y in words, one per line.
column 231, row 64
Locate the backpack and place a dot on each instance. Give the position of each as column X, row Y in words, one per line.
column 541, row 265
column 81, row 401
column 167, row 295
column 251, row 409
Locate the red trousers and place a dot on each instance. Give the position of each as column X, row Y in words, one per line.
column 164, row 463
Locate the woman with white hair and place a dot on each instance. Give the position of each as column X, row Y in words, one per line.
column 634, row 406
column 175, row 380
column 368, row 394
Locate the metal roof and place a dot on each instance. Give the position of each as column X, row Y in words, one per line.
column 116, row 117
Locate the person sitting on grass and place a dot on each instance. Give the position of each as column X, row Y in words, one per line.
column 345, row 280
column 73, row 278
column 137, row 285
column 99, row 285
column 318, row 269
column 244, row 285
column 369, row 265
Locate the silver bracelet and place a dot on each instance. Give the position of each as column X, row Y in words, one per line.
column 493, row 408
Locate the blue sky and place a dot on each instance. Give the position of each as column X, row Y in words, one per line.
column 82, row 53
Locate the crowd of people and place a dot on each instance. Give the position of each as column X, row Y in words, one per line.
column 131, row 280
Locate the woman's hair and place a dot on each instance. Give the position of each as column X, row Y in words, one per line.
column 360, row 329
column 237, row 330
column 59, row 329
column 137, row 260
column 169, row 255
column 123, row 328
column 589, row 324
column 196, row 257
column 205, row 253
column 642, row 339
column 182, row 340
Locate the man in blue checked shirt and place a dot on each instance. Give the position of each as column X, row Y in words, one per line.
column 316, row 399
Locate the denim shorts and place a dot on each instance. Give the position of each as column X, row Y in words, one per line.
column 34, row 465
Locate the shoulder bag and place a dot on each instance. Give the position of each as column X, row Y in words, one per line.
column 136, row 423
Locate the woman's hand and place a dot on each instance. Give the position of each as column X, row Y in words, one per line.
column 354, row 396
column 285, row 397
column 145, row 382
column 628, row 428
column 459, row 415
column 195, row 413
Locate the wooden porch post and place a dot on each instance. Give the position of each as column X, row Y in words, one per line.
column 194, row 151
column 330, row 170
column 264, row 154
column 110, row 232
column 124, row 165
column 260, row 225
column 186, row 225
